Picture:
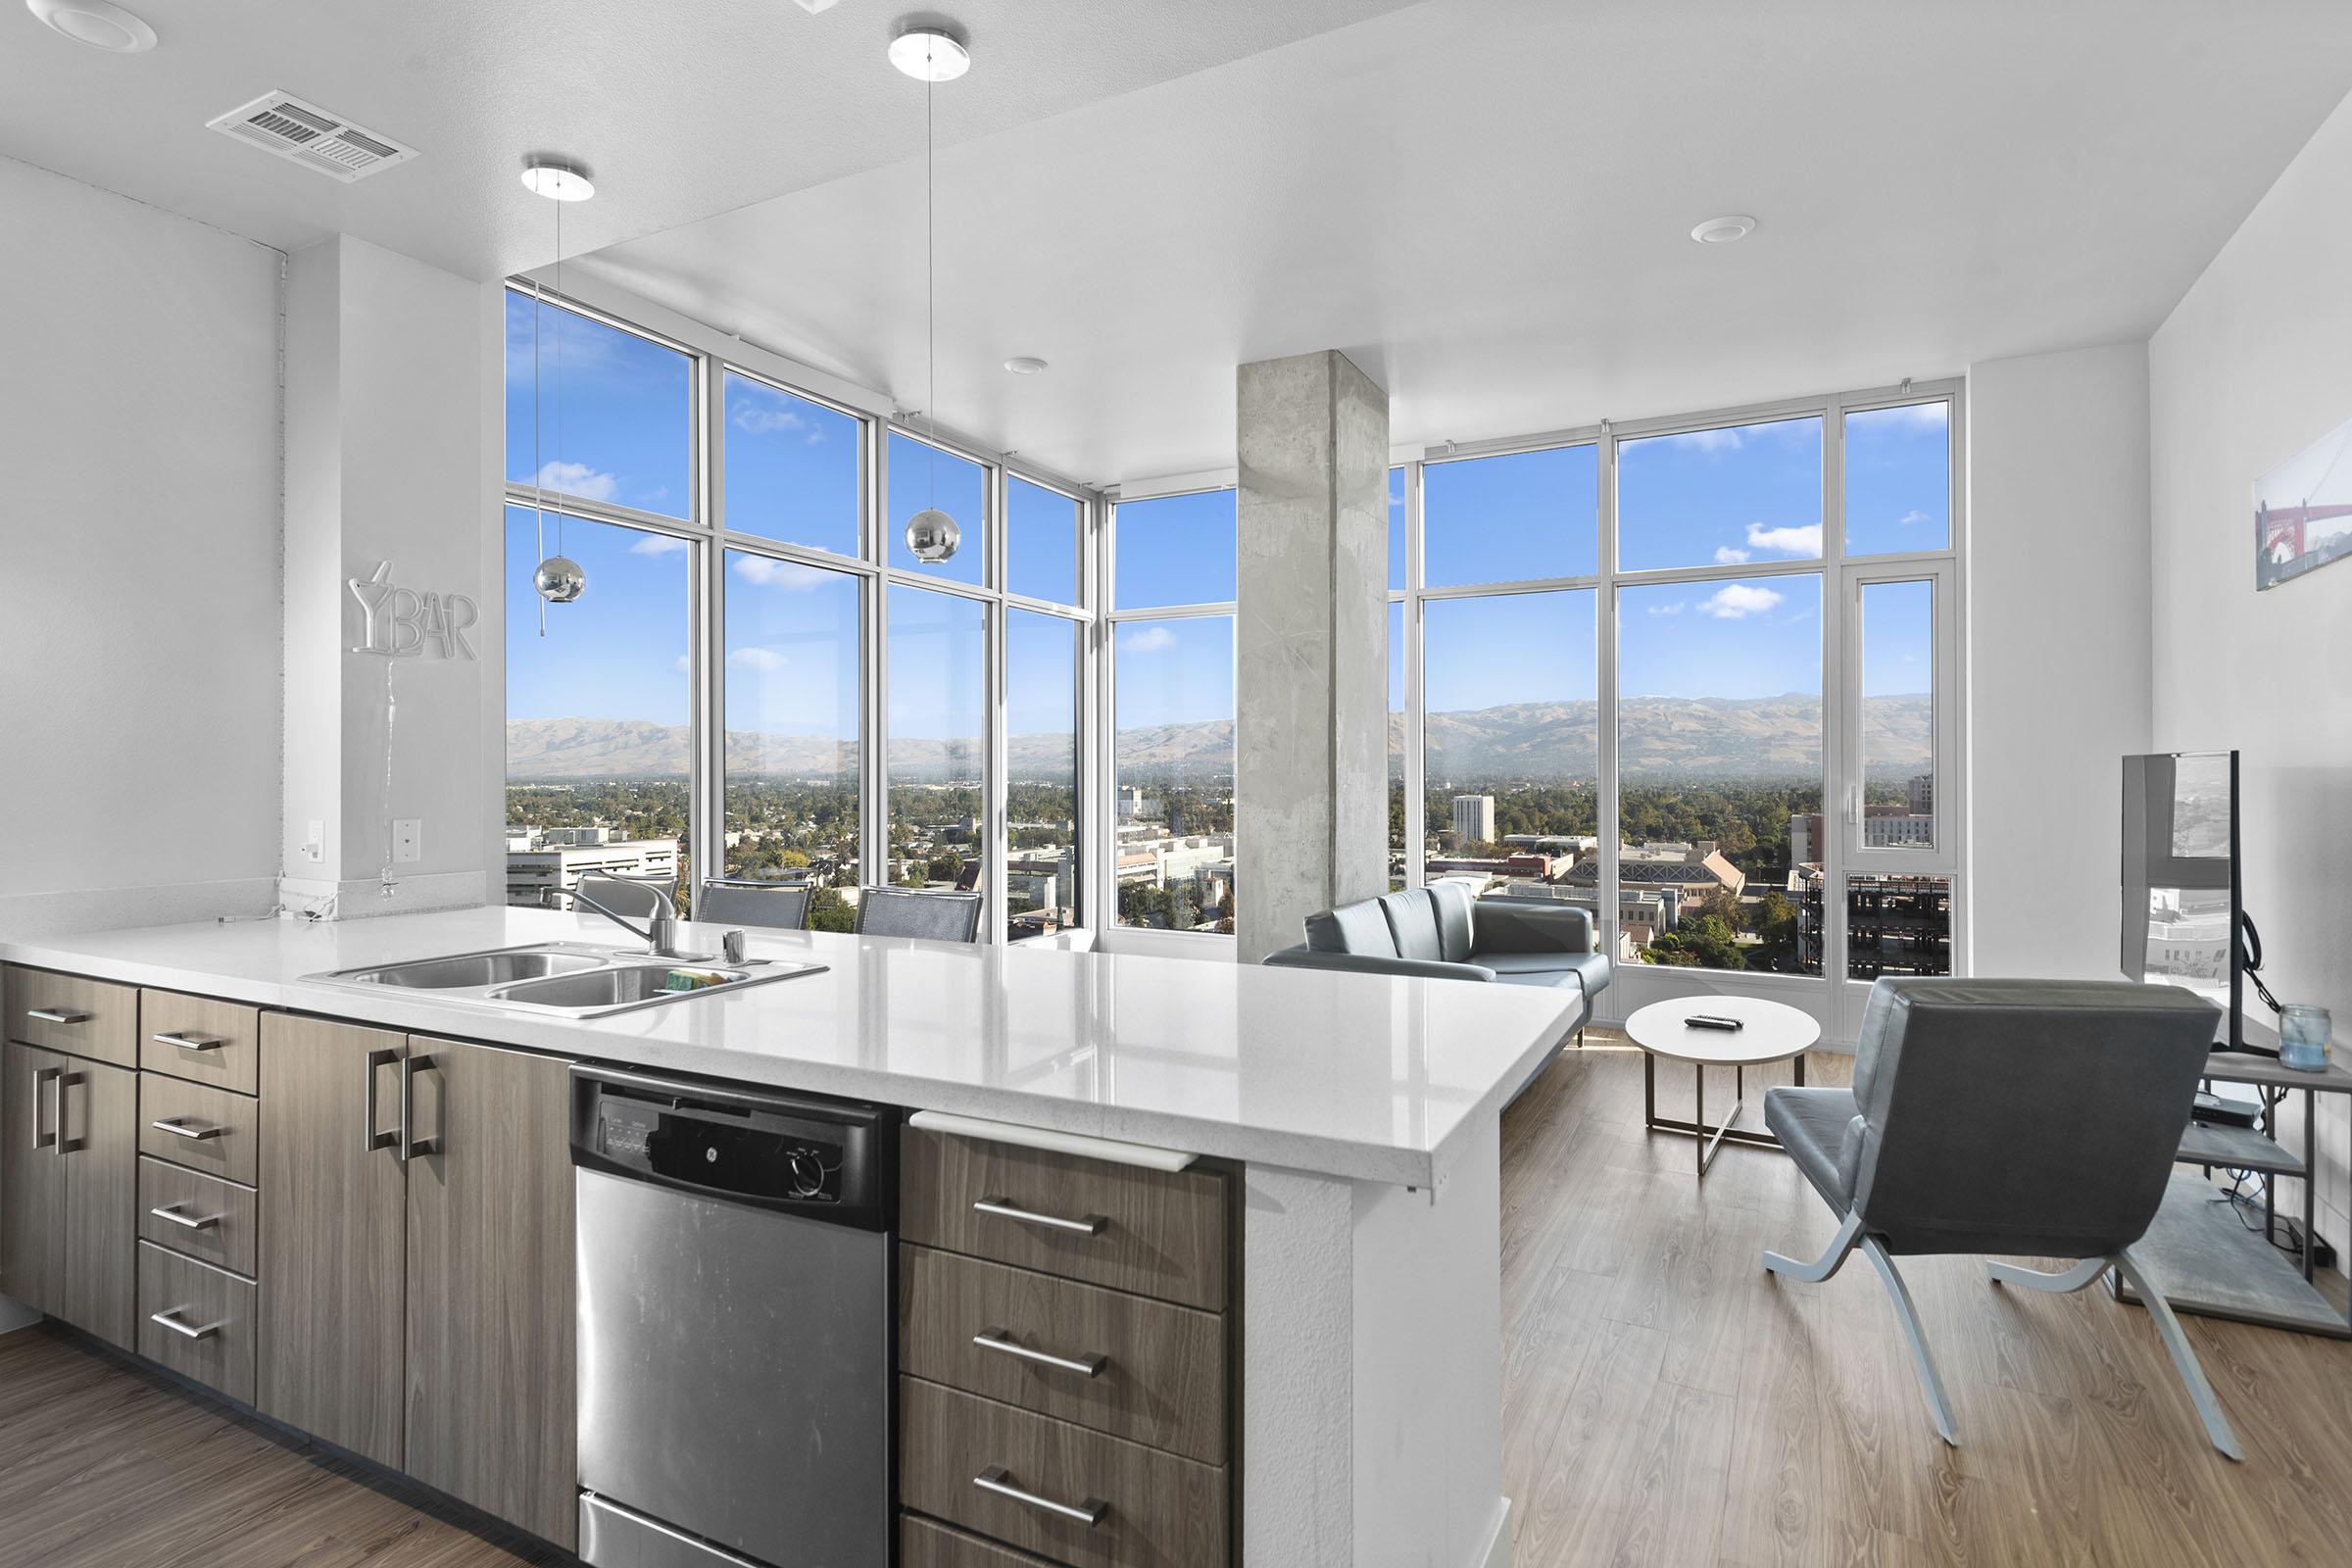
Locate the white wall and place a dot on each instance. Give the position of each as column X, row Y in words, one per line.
column 2252, row 365
column 2058, row 639
column 384, row 459
column 139, row 598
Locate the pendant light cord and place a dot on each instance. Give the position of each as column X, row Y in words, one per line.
column 931, row 271
column 558, row 364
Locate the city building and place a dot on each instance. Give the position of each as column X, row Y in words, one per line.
column 1883, row 826
column 1692, row 870
column 1474, row 819
column 545, row 869
column 1894, row 924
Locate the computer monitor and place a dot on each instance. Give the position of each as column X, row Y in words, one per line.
column 2182, row 905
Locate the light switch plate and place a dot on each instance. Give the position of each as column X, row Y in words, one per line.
column 408, row 839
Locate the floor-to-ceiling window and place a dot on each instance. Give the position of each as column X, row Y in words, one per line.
column 1172, row 704
column 1697, row 676
column 761, row 664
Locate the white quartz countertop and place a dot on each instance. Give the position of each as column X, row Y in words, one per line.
column 1361, row 1076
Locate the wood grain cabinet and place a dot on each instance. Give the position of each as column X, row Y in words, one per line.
column 97, row 1020
column 68, row 1187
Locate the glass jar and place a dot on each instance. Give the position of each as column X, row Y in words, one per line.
column 2303, row 1031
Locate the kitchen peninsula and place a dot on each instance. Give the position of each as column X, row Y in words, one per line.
column 1354, row 1117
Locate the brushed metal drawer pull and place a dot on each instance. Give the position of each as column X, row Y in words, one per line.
column 188, row 1042
column 170, row 1319
column 187, row 1127
column 58, row 1015
column 997, row 1480
column 994, row 1339
column 194, row 1222
column 1007, row 1209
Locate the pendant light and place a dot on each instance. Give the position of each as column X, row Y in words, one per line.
column 558, row 579
column 931, row 55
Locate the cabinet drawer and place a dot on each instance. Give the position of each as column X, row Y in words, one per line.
column 93, row 1019
column 201, row 1217
column 1149, row 1371
column 208, row 1130
column 1152, row 1509
column 929, row 1544
column 205, row 1042
column 214, row 1310
column 1156, row 1232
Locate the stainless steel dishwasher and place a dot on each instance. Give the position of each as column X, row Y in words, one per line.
column 735, row 1325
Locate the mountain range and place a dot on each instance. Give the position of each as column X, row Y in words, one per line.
column 1763, row 737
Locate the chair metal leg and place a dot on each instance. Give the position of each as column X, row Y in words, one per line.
column 2185, row 1359
column 2063, row 1282
column 1932, row 1385
column 1840, row 1247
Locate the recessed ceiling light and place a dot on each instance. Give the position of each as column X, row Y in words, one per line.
column 96, row 24
column 1024, row 364
column 556, row 181
column 1724, row 230
column 930, row 54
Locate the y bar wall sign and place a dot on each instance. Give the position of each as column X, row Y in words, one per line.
column 402, row 623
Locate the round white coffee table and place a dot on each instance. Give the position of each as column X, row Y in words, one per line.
column 1770, row 1031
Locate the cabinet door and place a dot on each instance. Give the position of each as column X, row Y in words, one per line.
column 491, row 1283
column 100, row 1143
column 333, row 1236
column 33, row 1178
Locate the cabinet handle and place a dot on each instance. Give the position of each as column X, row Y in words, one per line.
column 1007, row 1209
column 170, row 1319
column 66, row 1143
column 188, row 1042
column 996, row 1479
column 189, row 1128
column 41, row 1076
column 370, row 1138
column 411, row 1146
column 194, row 1222
column 997, row 1339
column 56, row 1015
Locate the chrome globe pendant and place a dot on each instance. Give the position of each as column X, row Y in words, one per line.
column 931, row 55
column 558, row 579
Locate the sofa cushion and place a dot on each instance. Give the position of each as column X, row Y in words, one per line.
column 1413, row 923
column 1361, row 928
column 1452, row 902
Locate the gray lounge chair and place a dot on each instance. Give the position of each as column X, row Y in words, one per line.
column 2033, row 1117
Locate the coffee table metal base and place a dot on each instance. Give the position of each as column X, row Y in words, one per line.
column 1709, row 1139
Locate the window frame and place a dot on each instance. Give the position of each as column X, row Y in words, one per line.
column 713, row 357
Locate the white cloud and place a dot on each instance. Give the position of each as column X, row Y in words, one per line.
column 760, row 658
column 1914, row 417
column 1724, row 440
column 1730, row 555
column 1914, row 516
column 683, row 667
column 1799, row 540
column 766, row 414
column 1149, row 639
column 1675, row 609
column 578, row 479
column 1740, row 599
column 765, row 572
column 656, row 543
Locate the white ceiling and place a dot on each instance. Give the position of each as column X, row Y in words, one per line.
column 1488, row 203
column 681, row 108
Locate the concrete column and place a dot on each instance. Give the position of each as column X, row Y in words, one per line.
column 1310, row 664
column 387, row 452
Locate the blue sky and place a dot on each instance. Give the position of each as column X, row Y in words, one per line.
column 615, row 426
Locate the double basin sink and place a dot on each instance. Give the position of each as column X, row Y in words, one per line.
column 568, row 979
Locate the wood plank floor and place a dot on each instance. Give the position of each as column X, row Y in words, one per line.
column 1665, row 1402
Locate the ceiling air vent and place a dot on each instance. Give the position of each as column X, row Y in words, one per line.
column 307, row 134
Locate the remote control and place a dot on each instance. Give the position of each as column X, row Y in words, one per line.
column 1704, row 1020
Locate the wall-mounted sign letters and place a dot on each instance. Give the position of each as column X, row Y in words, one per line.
column 402, row 623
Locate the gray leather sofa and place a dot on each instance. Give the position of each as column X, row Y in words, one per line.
column 1441, row 932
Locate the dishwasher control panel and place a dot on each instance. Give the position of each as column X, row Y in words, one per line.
column 828, row 1159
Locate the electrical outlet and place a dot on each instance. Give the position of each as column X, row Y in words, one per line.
column 408, row 839
column 314, row 840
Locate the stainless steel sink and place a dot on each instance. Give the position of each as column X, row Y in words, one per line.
column 619, row 985
column 465, row 970
column 567, row 979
